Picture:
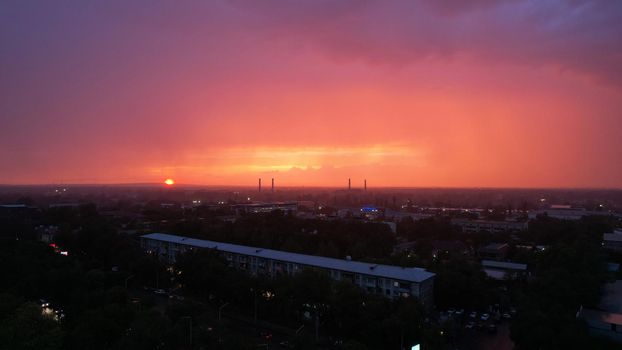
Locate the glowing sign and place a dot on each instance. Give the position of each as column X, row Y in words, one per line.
column 416, row 347
column 369, row 210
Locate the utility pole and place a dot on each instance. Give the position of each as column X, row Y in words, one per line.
column 402, row 337
column 255, row 297
column 317, row 324
column 190, row 329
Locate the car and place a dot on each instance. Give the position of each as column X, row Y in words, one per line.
column 470, row 325
column 492, row 329
column 473, row 314
column 459, row 312
column 160, row 291
column 506, row 316
column 451, row 311
column 266, row 335
column 176, row 297
column 485, row 317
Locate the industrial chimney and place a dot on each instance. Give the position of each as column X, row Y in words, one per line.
column 259, row 187
column 272, row 184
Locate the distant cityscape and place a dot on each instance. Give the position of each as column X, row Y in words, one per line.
column 466, row 257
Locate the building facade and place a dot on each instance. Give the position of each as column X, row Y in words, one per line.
column 500, row 270
column 606, row 319
column 494, row 251
column 386, row 280
column 613, row 241
column 489, row 225
column 566, row 212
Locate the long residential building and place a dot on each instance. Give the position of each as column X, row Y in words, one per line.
column 566, row 212
column 489, row 225
column 386, row 280
column 613, row 241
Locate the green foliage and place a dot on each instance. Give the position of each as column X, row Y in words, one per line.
column 27, row 329
column 430, row 228
column 460, row 283
column 278, row 230
column 568, row 274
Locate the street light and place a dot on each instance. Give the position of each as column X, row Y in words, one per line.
column 127, row 279
column 220, row 309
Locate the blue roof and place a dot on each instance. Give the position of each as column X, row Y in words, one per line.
column 411, row 274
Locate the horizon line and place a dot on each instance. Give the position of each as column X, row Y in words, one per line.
column 158, row 184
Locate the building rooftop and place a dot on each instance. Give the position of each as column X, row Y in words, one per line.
column 485, row 221
column 503, row 265
column 612, row 237
column 601, row 316
column 492, row 247
column 13, row 206
column 564, row 206
column 611, row 300
column 412, row 274
column 265, row 204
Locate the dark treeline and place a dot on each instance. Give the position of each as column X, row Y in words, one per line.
column 344, row 312
column 104, row 257
column 283, row 231
column 89, row 286
column 567, row 275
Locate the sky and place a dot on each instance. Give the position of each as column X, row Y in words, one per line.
column 514, row 93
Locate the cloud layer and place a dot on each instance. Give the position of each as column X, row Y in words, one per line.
column 404, row 93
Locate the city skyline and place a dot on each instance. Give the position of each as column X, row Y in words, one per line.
column 406, row 94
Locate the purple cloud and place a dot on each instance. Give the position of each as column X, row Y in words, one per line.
column 582, row 37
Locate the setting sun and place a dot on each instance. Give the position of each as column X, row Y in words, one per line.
column 169, row 182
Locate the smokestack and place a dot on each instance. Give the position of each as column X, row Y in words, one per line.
column 349, row 184
column 365, row 184
column 259, row 184
column 272, row 184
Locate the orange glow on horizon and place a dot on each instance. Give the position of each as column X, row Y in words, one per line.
column 169, row 182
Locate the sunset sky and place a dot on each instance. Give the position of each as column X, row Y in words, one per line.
column 312, row 92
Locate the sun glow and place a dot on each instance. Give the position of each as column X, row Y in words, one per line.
column 169, row 182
